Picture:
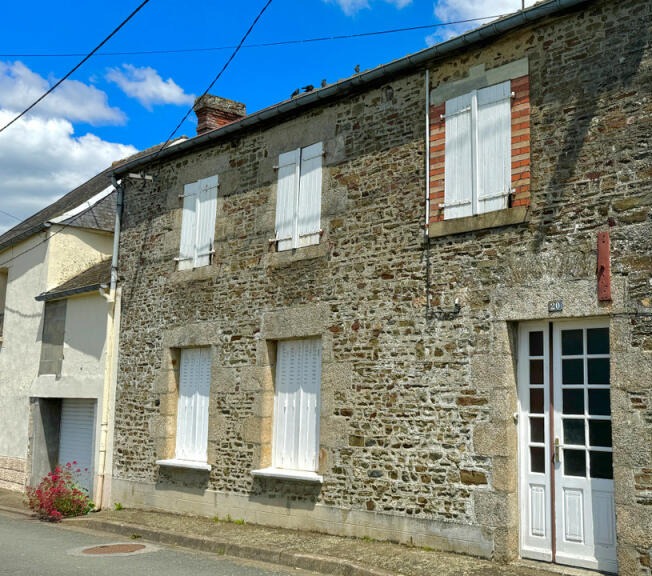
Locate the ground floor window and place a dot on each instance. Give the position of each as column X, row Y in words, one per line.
column 296, row 405
column 192, row 407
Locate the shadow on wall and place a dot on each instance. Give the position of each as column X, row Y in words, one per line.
column 609, row 64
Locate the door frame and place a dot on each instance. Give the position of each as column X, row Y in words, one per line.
column 544, row 547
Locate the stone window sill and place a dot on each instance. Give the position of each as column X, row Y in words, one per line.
column 287, row 257
column 303, row 475
column 192, row 464
column 190, row 274
column 495, row 219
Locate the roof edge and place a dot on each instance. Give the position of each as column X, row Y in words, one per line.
column 485, row 32
column 47, row 296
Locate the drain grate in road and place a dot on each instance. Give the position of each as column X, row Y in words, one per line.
column 114, row 549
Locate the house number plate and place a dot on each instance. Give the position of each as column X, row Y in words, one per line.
column 555, row 305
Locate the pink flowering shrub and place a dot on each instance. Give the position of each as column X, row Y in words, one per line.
column 59, row 495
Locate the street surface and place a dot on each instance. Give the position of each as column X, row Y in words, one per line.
column 29, row 547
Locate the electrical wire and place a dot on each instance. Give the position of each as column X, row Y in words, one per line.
column 75, row 68
column 219, row 74
column 259, row 45
column 217, row 77
column 10, row 215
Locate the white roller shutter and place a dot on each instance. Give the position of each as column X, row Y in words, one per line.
column 192, row 410
column 458, row 167
column 494, row 147
column 76, row 438
column 296, row 409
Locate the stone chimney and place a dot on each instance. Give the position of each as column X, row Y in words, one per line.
column 214, row 112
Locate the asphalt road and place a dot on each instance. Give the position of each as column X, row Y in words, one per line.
column 29, row 547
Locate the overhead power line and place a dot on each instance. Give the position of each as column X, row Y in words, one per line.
column 259, row 45
column 226, row 65
column 74, row 69
column 10, row 215
column 218, row 75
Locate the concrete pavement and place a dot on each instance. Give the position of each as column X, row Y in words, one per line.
column 305, row 550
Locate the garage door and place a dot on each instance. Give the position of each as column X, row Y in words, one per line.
column 76, row 438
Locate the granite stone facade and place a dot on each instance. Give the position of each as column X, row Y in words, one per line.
column 419, row 398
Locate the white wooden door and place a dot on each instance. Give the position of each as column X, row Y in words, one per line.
column 565, row 451
column 77, row 438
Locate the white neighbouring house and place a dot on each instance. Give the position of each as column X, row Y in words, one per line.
column 56, row 334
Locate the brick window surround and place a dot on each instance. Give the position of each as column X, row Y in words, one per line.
column 520, row 156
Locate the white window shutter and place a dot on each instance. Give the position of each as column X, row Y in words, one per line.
column 308, row 449
column 494, row 147
column 309, row 204
column 458, row 171
column 296, row 407
column 192, row 412
column 206, row 221
column 287, row 193
column 188, row 226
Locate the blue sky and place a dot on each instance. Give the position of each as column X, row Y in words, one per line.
column 116, row 104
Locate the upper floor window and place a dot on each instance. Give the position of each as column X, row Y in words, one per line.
column 480, row 150
column 298, row 197
column 54, row 329
column 197, row 244
column 478, row 163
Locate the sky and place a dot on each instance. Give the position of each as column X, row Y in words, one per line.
column 134, row 92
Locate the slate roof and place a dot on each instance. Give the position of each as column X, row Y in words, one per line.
column 87, row 281
column 359, row 81
column 100, row 217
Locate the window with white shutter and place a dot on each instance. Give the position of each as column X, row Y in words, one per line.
column 296, row 405
column 198, row 223
column 478, row 152
column 298, row 197
column 192, row 410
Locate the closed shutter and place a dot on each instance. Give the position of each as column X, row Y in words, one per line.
column 494, row 163
column 458, row 177
column 206, row 220
column 76, row 438
column 287, row 193
column 192, row 411
column 309, row 204
column 188, row 226
column 296, row 410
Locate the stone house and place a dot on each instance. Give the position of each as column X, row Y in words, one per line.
column 413, row 305
column 53, row 352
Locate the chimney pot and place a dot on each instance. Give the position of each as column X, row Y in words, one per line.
column 214, row 112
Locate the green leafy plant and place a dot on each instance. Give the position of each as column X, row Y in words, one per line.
column 117, row 506
column 59, row 495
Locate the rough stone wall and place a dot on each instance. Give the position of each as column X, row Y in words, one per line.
column 417, row 410
column 12, row 474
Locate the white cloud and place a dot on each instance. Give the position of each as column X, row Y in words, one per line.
column 73, row 100
column 350, row 7
column 452, row 10
column 146, row 86
column 41, row 159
